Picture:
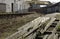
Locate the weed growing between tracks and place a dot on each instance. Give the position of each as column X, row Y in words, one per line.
column 58, row 28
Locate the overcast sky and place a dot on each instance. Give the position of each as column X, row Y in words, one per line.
column 52, row 0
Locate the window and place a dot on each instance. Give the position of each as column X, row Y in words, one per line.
column 43, row 5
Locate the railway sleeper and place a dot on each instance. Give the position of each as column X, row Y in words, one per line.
column 50, row 29
column 47, row 33
column 42, row 35
column 38, row 37
column 59, row 36
column 54, row 24
column 57, row 20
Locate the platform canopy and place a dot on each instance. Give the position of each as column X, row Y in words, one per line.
column 39, row 2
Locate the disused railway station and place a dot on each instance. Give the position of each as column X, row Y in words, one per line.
column 52, row 8
column 29, row 19
column 38, row 5
column 48, row 7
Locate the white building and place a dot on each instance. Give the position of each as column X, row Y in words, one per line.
column 13, row 5
column 21, row 5
column 7, row 6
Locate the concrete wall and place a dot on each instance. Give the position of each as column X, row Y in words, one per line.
column 18, row 5
column 2, row 1
column 2, row 7
column 8, row 4
column 21, row 6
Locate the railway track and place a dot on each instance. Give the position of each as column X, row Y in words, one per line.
column 29, row 29
column 35, row 30
column 50, row 32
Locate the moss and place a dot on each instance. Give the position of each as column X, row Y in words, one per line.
column 58, row 29
column 46, row 22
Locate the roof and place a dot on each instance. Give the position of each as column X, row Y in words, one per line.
column 39, row 2
column 53, row 5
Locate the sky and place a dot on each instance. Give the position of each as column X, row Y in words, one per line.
column 52, row 1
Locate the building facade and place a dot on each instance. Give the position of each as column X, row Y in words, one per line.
column 52, row 8
column 7, row 6
column 14, row 5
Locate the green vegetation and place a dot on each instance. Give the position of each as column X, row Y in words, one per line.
column 58, row 29
column 46, row 22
